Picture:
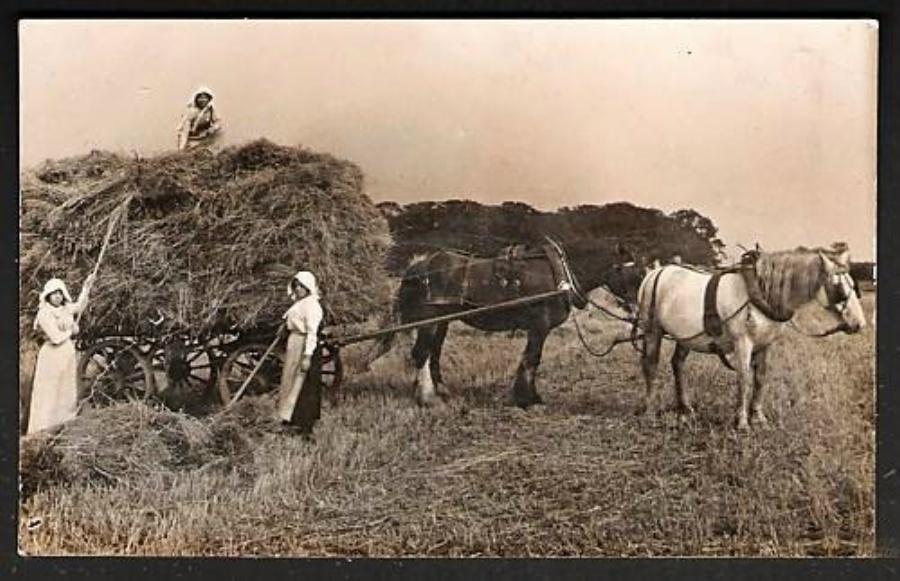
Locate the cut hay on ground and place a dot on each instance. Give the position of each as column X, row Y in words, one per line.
column 128, row 443
column 209, row 240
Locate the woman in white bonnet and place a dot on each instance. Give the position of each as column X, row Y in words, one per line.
column 54, row 394
column 200, row 125
column 302, row 321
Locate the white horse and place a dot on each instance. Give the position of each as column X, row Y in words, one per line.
column 753, row 304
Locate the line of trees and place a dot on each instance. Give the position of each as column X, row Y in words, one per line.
column 481, row 229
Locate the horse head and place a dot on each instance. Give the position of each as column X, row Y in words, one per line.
column 593, row 266
column 838, row 293
column 792, row 278
column 623, row 278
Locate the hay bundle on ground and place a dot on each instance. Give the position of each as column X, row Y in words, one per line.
column 209, row 240
column 129, row 442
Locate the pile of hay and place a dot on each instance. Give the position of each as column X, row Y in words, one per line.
column 127, row 443
column 209, row 241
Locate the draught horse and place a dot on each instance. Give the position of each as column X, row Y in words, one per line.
column 743, row 313
column 446, row 282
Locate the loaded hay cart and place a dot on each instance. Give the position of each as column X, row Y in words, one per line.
column 192, row 287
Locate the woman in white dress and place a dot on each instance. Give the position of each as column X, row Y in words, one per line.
column 54, row 394
column 302, row 321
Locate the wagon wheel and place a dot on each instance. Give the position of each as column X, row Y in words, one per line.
column 331, row 372
column 186, row 368
column 241, row 363
column 113, row 370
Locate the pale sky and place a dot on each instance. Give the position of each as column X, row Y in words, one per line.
column 767, row 127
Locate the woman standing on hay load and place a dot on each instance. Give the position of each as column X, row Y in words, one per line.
column 200, row 125
column 54, row 393
column 302, row 321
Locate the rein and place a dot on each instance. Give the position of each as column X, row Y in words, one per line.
column 667, row 335
column 575, row 290
column 839, row 328
column 606, row 311
column 633, row 321
column 588, row 348
column 670, row 336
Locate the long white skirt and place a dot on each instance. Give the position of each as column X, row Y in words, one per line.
column 54, row 395
column 291, row 376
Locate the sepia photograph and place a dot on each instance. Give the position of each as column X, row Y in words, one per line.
column 447, row 288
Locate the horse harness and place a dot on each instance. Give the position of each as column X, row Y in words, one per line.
column 506, row 274
column 713, row 323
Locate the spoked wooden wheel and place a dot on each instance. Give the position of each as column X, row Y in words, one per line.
column 189, row 368
column 113, row 370
column 331, row 372
column 240, row 364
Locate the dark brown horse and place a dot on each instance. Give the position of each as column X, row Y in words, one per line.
column 447, row 282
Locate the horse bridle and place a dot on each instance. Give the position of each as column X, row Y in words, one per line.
column 839, row 288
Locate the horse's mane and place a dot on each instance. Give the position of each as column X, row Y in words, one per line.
column 790, row 278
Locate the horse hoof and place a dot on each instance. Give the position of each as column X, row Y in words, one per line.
column 428, row 402
column 518, row 400
column 519, row 403
column 742, row 426
column 759, row 419
column 686, row 412
column 686, row 418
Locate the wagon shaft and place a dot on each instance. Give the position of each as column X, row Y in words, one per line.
column 350, row 339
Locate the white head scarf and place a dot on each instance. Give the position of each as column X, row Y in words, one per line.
column 199, row 90
column 308, row 280
column 53, row 285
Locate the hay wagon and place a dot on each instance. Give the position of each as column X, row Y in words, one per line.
column 225, row 363
column 116, row 365
column 205, row 235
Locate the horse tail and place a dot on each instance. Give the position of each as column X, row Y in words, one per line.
column 644, row 302
column 646, row 297
column 646, row 306
column 386, row 342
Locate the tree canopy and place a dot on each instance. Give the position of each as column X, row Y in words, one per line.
column 481, row 229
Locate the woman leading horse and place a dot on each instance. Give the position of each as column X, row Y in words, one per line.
column 743, row 313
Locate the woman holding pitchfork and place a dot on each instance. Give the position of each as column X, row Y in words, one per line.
column 54, row 395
